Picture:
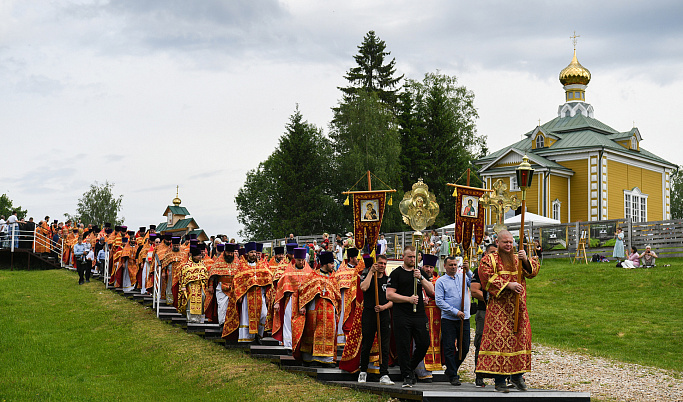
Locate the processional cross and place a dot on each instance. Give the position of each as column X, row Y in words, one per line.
column 499, row 203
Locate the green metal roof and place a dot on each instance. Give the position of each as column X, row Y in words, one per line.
column 176, row 210
column 574, row 133
column 182, row 224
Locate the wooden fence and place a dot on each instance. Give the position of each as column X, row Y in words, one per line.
column 560, row 241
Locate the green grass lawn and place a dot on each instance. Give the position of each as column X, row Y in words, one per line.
column 632, row 315
column 61, row 341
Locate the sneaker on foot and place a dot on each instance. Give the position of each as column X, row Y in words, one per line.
column 407, row 382
column 519, row 384
column 479, row 382
column 385, row 380
column 502, row 388
column 362, row 377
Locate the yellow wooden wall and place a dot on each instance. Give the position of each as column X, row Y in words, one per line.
column 622, row 177
column 579, row 189
column 558, row 190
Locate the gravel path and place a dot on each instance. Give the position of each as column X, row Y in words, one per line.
column 603, row 378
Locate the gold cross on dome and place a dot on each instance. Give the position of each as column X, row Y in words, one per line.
column 574, row 40
column 500, row 203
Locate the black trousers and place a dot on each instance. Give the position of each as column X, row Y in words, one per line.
column 410, row 327
column 369, row 329
column 83, row 268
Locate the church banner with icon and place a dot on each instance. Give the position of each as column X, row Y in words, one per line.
column 368, row 210
column 469, row 214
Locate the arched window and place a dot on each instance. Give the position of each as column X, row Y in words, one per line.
column 556, row 209
column 540, row 141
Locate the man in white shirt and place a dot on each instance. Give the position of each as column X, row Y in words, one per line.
column 3, row 230
column 13, row 224
column 382, row 243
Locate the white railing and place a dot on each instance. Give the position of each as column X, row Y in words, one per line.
column 17, row 239
column 156, row 293
column 106, row 266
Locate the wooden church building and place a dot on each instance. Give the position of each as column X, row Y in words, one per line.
column 584, row 169
column 178, row 223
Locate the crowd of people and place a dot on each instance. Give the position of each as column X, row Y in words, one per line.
column 314, row 297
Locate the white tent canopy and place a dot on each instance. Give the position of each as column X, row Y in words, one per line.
column 529, row 218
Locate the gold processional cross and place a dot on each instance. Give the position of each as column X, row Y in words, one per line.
column 499, row 203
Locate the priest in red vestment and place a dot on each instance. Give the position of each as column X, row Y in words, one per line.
column 288, row 324
column 504, row 352
column 319, row 300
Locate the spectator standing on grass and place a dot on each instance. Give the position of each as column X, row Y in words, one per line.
column 618, row 245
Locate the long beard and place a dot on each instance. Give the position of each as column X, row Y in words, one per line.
column 508, row 258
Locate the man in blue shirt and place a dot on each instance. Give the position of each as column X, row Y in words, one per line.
column 448, row 296
column 80, row 252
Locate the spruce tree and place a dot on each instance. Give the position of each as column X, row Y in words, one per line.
column 439, row 136
column 372, row 74
column 291, row 191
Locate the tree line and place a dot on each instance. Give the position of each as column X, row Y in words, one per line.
column 400, row 129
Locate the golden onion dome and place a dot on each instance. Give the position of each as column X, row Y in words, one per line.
column 575, row 73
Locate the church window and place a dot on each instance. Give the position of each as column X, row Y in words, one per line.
column 634, row 143
column 635, row 205
column 540, row 141
column 513, row 184
column 556, row 209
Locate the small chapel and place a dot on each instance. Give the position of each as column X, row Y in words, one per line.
column 178, row 222
column 584, row 169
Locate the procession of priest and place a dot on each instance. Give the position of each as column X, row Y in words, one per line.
column 312, row 302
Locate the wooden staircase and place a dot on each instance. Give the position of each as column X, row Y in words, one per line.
column 269, row 349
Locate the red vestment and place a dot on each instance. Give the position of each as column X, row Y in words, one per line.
column 502, row 351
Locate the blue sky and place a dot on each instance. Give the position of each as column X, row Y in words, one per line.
column 153, row 94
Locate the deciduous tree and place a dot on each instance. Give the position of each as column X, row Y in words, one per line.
column 7, row 207
column 98, row 205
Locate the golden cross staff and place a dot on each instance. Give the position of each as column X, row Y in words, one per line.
column 499, row 203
